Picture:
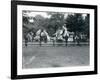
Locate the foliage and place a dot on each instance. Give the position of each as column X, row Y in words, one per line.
column 55, row 22
column 87, row 26
column 25, row 20
column 75, row 23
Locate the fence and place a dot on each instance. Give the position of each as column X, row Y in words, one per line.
column 51, row 43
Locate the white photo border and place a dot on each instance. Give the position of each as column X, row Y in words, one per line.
column 21, row 71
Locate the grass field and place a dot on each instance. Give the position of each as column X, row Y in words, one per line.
column 35, row 56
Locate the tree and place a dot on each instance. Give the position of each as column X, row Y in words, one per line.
column 25, row 20
column 87, row 24
column 75, row 23
column 56, row 21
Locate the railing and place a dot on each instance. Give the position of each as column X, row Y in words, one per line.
column 51, row 43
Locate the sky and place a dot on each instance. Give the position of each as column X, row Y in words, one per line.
column 33, row 14
column 44, row 14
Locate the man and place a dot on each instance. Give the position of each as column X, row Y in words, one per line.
column 26, row 40
column 65, row 34
column 77, row 38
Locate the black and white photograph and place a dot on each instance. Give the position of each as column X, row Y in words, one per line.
column 54, row 38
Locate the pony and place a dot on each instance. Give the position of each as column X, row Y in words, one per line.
column 30, row 36
column 62, row 35
column 42, row 36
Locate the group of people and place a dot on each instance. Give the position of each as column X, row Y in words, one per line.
column 41, row 35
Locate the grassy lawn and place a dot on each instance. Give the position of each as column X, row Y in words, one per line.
column 35, row 56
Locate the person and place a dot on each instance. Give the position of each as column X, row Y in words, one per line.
column 65, row 34
column 40, row 36
column 65, row 30
column 43, row 36
column 77, row 38
column 26, row 40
